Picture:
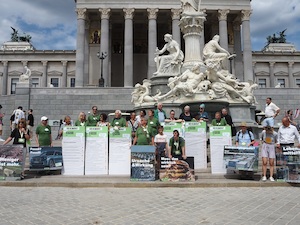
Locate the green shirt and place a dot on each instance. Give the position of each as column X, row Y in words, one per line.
column 143, row 137
column 92, row 120
column 44, row 134
column 176, row 146
column 78, row 123
column 153, row 125
column 222, row 122
column 119, row 122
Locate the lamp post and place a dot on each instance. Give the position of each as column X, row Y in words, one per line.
column 101, row 56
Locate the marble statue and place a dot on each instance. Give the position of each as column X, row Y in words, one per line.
column 214, row 54
column 141, row 93
column 190, row 6
column 169, row 64
column 24, row 78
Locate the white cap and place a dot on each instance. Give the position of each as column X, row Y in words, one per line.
column 44, row 118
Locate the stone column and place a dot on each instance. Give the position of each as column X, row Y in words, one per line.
column 152, row 40
column 104, row 44
column 291, row 77
column 222, row 15
column 128, row 47
column 81, row 16
column 247, row 51
column 64, row 78
column 5, row 77
column 271, row 69
column 86, row 54
column 44, row 76
column 175, row 25
column 202, row 35
column 238, row 50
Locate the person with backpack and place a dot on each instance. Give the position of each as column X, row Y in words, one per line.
column 244, row 137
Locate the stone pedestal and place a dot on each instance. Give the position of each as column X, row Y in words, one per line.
column 23, row 95
column 159, row 83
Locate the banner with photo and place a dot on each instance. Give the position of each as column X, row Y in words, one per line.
column 142, row 163
column 240, row 158
column 73, row 145
column 288, row 164
column 96, row 152
column 220, row 136
column 45, row 158
column 195, row 143
column 119, row 151
column 173, row 169
column 11, row 162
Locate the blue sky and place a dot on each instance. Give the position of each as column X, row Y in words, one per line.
column 52, row 23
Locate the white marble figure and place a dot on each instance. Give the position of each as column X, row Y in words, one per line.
column 24, row 78
column 190, row 6
column 141, row 93
column 214, row 54
column 278, row 85
column 169, row 64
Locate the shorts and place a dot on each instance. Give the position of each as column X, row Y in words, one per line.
column 268, row 122
column 268, row 151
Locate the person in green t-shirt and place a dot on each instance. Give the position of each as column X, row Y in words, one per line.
column 118, row 120
column 142, row 135
column 43, row 133
column 93, row 118
column 177, row 146
column 81, row 120
column 218, row 121
column 153, row 123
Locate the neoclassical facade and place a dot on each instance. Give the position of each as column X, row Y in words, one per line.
column 128, row 32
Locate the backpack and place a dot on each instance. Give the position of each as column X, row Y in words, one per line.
column 249, row 131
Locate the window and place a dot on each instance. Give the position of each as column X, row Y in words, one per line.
column 262, row 83
column 281, row 82
column 298, row 82
column 35, row 82
column 14, row 82
column 72, row 82
column 54, row 82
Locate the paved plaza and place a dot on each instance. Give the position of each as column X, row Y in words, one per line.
column 83, row 206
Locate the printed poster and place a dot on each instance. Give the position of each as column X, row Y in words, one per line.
column 45, row 158
column 195, row 143
column 119, row 151
column 142, row 163
column 288, row 164
column 96, row 153
column 220, row 136
column 73, row 144
column 240, row 158
column 11, row 162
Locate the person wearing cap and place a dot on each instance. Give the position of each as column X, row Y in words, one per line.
column 269, row 139
column 43, row 133
column 244, row 137
column 177, row 146
column 202, row 116
column 271, row 111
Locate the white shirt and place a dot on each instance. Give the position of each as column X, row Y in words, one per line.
column 160, row 138
column 271, row 109
column 287, row 135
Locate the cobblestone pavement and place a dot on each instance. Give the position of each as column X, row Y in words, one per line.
column 83, row 206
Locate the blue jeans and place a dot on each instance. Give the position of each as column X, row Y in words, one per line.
column 268, row 122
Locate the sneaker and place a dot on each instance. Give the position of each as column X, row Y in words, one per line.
column 2, row 139
column 264, row 178
column 271, row 179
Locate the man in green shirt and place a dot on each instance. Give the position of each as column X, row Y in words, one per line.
column 153, row 123
column 218, row 121
column 177, row 146
column 93, row 118
column 118, row 120
column 43, row 133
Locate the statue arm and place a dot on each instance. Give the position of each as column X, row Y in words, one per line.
column 159, row 52
column 221, row 49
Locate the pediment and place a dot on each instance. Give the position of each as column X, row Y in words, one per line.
column 71, row 73
column 15, row 73
column 54, row 73
column 36, row 73
column 281, row 73
column 262, row 73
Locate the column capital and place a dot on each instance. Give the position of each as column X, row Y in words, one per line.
column 5, row 63
column 44, row 63
column 24, row 63
column 81, row 13
column 245, row 15
column 272, row 64
column 65, row 63
column 222, row 14
column 291, row 63
column 152, row 13
column 105, row 13
column 128, row 13
column 176, row 14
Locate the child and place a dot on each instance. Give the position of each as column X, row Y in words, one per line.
column 269, row 139
column 161, row 142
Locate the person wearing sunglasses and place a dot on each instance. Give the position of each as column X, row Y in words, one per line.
column 20, row 134
column 93, row 118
